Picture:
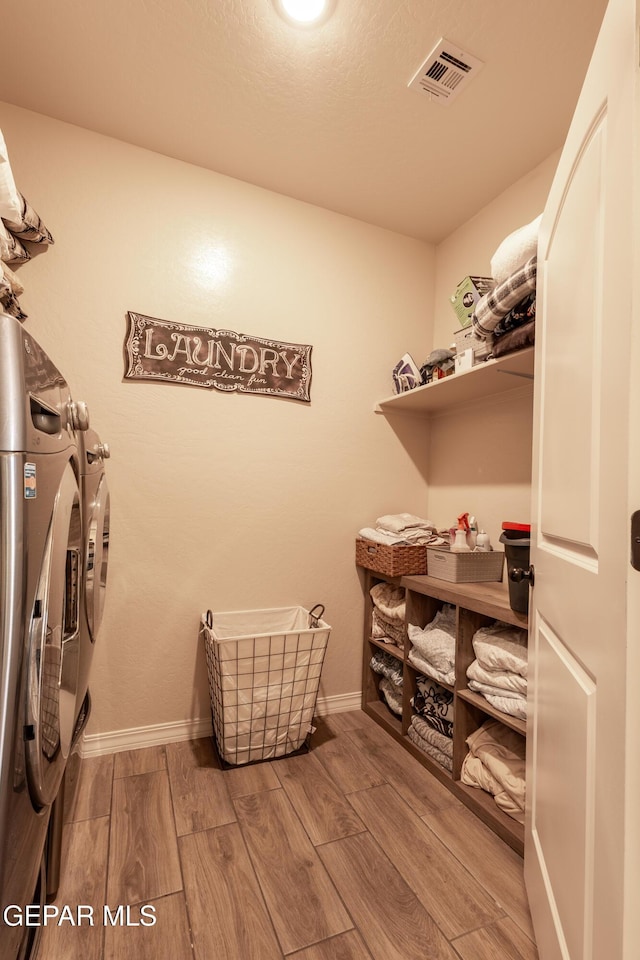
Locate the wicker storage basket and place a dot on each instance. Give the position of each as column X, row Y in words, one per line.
column 464, row 567
column 398, row 560
column 264, row 672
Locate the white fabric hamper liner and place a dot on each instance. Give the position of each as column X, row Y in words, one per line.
column 264, row 672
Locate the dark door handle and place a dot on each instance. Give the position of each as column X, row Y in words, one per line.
column 518, row 574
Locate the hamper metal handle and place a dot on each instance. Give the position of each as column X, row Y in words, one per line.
column 315, row 617
column 209, row 619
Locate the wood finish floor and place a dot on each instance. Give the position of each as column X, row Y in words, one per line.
column 352, row 851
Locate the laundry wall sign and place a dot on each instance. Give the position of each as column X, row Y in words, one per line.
column 218, row 359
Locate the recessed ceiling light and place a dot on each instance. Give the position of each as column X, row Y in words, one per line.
column 304, row 13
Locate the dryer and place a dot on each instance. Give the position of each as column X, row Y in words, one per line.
column 40, row 610
column 94, row 494
column 95, row 503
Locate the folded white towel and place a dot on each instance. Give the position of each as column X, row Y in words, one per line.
column 381, row 536
column 415, row 537
column 488, row 690
column 421, row 536
column 420, row 663
column 503, row 679
column 515, row 250
column 436, row 643
column 400, row 522
column 501, row 647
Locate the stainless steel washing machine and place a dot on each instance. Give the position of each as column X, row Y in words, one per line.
column 40, row 612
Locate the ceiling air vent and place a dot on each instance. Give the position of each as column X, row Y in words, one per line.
column 446, row 72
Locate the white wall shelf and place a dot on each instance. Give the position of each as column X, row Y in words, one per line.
column 484, row 380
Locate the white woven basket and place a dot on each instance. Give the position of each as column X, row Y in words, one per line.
column 264, row 671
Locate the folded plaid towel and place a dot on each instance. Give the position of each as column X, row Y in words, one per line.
column 491, row 308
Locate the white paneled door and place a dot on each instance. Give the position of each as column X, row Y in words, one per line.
column 579, row 849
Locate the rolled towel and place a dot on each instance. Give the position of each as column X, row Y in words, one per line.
column 515, row 250
column 10, row 199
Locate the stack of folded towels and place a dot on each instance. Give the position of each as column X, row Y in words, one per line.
column 496, row 763
column 433, row 649
column 390, row 685
column 403, row 528
column 506, row 315
column 18, row 222
column 431, row 728
column 499, row 672
column 387, row 616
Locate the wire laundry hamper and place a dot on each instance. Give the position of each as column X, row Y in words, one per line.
column 264, row 671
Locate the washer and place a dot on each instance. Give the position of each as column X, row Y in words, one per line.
column 40, row 612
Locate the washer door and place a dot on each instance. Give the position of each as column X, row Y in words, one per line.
column 54, row 647
column 97, row 557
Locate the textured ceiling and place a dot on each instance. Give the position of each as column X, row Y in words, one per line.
column 321, row 115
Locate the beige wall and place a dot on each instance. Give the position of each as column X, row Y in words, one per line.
column 480, row 457
column 222, row 501
column 468, row 251
column 236, row 502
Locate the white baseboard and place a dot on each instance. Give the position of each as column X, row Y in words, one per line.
column 135, row 738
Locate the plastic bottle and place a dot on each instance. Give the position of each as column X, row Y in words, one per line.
column 483, row 543
column 472, row 533
column 460, row 544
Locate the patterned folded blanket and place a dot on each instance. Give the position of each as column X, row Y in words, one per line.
column 517, row 339
column 429, row 748
column 493, row 306
column 435, row 704
column 432, row 736
column 11, row 250
column 389, row 666
column 522, row 313
column 28, row 225
column 10, row 290
column 387, row 631
column 392, row 693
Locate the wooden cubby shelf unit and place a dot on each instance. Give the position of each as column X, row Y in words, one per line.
column 477, row 604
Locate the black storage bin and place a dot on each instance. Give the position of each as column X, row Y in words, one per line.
column 516, row 549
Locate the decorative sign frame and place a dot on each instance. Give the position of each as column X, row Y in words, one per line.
column 219, row 359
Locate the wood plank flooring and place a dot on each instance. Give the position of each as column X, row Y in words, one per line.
column 352, row 851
